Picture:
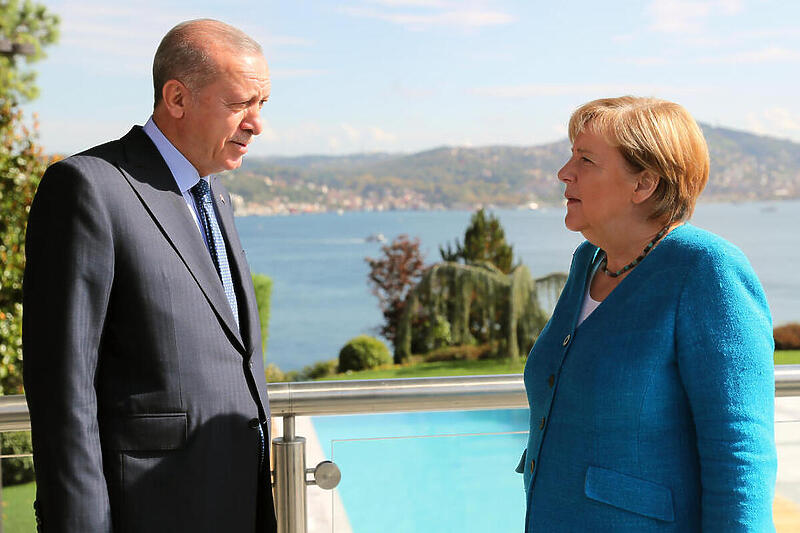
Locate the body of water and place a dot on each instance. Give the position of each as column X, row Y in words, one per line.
column 321, row 299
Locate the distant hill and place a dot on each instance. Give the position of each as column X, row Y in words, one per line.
column 744, row 166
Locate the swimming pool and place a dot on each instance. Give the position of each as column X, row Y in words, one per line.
column 421, row 472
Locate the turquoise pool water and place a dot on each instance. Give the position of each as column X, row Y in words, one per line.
column 429, row 472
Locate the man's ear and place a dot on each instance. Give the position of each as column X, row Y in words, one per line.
column 175, row 97
column 646, row 184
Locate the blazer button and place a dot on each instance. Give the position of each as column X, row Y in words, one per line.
column 566, row 340
column 253, row 423
column 541, row 423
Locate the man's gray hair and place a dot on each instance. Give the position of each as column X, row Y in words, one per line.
column 185, row 53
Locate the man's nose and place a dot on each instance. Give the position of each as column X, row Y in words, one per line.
column 252, row 121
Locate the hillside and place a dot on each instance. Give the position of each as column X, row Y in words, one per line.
column 744, row 166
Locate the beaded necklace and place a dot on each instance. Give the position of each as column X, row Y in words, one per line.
column 636, row 261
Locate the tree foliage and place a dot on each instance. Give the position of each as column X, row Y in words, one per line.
column 21, row 166
column 392, row 276
column 26, row 23
column 263, row 289
column 470, row 305
column 484, row 240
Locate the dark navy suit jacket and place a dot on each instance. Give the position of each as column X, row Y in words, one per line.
column 142, row 390
column 656, row 413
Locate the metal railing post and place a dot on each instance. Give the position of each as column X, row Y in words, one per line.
column 290, row 479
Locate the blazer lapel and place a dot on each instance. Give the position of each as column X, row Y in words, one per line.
column 248, row 308
column 151, row 179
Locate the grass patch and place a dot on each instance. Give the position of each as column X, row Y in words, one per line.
column 787, row 357
column 18, row 508
column 481, row 367
column 438, row 368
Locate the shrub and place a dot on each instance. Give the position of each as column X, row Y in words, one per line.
column 464, row 352
column 787, row 337
column 362, row 353
column 318, row 370
column 17, row 470
column 274, row 374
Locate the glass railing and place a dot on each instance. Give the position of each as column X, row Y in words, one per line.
column 445, row 448
column 461, row 476
column 18, row 487
column 786, row 509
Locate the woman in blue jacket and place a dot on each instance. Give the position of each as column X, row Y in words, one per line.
column 651, row 388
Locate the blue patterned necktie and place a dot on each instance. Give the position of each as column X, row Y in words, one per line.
column 216, row 245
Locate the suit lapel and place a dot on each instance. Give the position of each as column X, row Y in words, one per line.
column 148, row 174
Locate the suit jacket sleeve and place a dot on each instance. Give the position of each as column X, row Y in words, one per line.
column 68, row 277
column 725, row 358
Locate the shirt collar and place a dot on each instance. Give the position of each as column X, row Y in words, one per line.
column 186, row 176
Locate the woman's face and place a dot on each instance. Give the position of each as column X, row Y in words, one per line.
column 599, row 188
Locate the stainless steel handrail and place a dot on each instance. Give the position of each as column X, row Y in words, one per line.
column 461, row 393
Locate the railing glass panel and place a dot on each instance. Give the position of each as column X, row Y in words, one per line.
column 18, row 487
column 436, row 471
column 787, row 489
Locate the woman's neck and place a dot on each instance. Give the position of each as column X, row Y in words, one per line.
column 625, row 246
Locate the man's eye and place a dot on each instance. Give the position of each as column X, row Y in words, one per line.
column 586, row 160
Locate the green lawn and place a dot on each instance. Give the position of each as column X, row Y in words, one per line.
column 787, row 357
column 445, row 368
column 486, row 366
column 18, row 508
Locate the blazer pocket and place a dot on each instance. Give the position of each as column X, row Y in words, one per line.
column 521, row 466
column 629, row 493
column 142, row 433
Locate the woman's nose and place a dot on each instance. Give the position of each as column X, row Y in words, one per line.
column 566, row 174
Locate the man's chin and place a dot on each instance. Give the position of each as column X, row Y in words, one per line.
column 233, row 164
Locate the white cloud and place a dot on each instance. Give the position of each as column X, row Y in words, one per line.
column 776, row 121
column 688, row 16
column 419, row 15
column 590, row 90
column 772, row 54
column 380, row 136
column 282, row 73
column 413, row 3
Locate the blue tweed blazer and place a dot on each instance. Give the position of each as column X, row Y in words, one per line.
column 656, row 413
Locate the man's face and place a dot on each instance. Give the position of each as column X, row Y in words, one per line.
column 222, row 117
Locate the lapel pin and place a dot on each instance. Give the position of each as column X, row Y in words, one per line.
column 222, row 198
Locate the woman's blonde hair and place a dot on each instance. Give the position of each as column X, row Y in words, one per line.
column 657, row 136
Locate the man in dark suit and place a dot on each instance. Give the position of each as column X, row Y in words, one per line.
column 143, row 366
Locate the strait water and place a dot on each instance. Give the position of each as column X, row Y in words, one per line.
column 320, row 296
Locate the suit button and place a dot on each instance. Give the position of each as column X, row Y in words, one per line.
column 551, row 380
column 566, row 340
column 533, row 464
column 541, row 423
column 253, row 423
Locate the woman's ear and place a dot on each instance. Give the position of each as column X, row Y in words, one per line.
column 646, row 184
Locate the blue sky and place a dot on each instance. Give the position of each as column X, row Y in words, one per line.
column 409, row 75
